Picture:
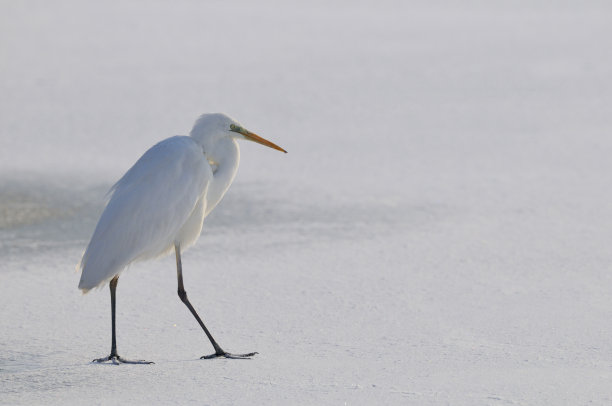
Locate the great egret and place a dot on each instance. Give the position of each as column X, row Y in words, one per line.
column 160, row 204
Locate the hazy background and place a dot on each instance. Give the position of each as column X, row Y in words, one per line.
column 439, row 232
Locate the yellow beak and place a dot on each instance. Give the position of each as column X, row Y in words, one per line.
column 254, row 137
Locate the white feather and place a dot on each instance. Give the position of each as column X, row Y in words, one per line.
column 162, row 200
column 158, row 202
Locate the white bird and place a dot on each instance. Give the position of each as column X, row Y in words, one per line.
column 160, row 205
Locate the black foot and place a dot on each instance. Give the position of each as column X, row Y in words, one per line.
column 115, row 359
column 224, row 354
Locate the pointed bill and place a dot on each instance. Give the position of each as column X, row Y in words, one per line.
column 254, row 137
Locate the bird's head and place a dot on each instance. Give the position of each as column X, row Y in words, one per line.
column 213, row 127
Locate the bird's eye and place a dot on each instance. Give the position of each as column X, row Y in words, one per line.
column 236, row 128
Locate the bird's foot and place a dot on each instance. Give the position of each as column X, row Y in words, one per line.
column 224, row 354
column 116, row 359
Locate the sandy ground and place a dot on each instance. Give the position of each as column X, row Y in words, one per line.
column 439, row 233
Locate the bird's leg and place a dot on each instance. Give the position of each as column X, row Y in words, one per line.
column 183, row 295
column 114, row 357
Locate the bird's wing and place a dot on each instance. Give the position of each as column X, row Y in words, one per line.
column 147, row 208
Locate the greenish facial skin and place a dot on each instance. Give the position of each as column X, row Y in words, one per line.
column 237, row 129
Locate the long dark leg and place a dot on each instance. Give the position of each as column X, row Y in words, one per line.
column 113, row 292
column 114, row 357
column 183, row 295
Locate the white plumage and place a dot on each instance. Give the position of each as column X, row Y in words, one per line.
column 160, row 201
column 160, row 204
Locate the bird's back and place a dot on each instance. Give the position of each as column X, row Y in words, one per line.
column 147, row 208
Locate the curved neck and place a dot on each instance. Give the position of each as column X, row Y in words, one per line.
column 226, row 156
